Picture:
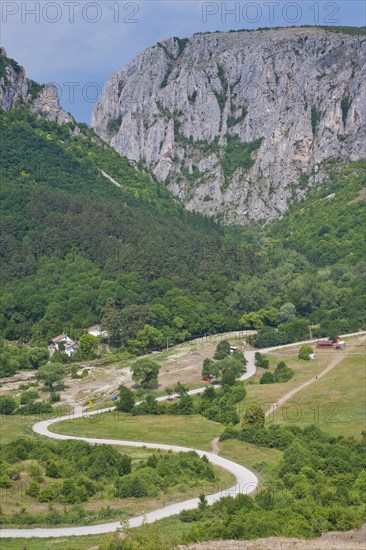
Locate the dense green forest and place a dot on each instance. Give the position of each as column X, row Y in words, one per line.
column 73, row 243
column 76, row 249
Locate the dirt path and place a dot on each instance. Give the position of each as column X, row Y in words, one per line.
column 312, row 380
column 215, row 445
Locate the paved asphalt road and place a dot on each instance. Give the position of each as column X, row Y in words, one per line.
column 246, row 481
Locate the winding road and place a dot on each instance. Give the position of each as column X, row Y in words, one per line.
column 246, row 481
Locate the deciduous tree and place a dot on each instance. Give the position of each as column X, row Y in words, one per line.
column 145, row 372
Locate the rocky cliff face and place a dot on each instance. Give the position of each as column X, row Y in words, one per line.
column 16, row 89
column 237, row 124
column 48, row 102
column 13, row 83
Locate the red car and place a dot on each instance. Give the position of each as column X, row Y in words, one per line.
column 206, row 379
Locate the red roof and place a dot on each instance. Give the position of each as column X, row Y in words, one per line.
column 325, row 343
column 62, row 336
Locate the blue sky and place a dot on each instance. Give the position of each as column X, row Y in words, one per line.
column 79, row 44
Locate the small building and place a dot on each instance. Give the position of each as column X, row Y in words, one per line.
column 324, row 343
column 71, row 347
column 58, row 339
column 96, row 330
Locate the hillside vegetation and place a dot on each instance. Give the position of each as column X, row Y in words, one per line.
column 78, row 249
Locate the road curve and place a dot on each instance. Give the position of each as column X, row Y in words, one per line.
column 246, row 481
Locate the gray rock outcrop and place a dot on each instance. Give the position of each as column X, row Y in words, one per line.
column 16, row 89
column 238, row 124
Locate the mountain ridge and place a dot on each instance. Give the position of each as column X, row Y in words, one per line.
column 234, row 127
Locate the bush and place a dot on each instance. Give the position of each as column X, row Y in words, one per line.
column 145, row 372
column 222, row 350
column 54, row 397
column 261, row 361
column 4, row 481
column 267, row 378
column 53, row 517
column 28, row 397
column 7, row 404
column 131, row 486
column 49, row 492
column 253, row 417
column 126, row 399
column 305, row 351
column 209, row 368
column 187, row 516
column 23, row 517
column 282, row 373
column 33, row 488
column 39, row 407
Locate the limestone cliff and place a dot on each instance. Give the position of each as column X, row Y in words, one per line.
column 237, row 124
column 16, row 89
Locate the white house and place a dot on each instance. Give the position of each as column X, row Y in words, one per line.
column 58, row 339
column 71, row 347
column 95, row 330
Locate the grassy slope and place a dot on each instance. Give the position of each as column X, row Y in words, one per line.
column 337, row 401
column 192, row 431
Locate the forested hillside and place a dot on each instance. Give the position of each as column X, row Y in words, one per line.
column 72, row 240
column 78, row 249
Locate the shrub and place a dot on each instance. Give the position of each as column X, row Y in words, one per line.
column 7, row 404
column 4, row 481
column 28, row 397
column 145, row 372
column 305, row 351
column 114, row 124
column 282, row 373
column 33, row 488
column 54, row 397
column 131, row 486
column 238, row 155
column 53, row 517
column 222, row 350
column 253, row 417
column 267, row 378
column 187, row 516
column 261, row 361
column 23, row 517
column 126, row 399
column 49, row 493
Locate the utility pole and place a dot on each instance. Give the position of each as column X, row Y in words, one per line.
column 167, row 344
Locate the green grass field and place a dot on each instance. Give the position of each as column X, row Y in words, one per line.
column 260, row 460
column 17, row 425
column 303, row 371
column 191, row 431
column 336, row 402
